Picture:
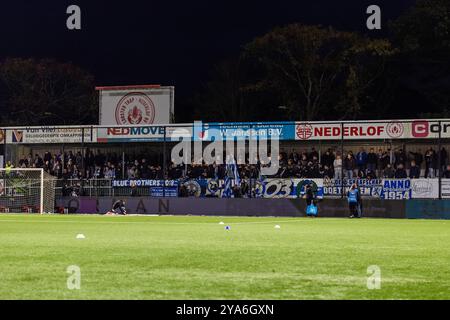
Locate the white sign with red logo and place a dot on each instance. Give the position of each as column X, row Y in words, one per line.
column 393, row 129
column 430, row 129
column 363, row 130
column 136, row 105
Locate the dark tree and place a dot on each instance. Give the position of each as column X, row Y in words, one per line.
column 319, row 72
column 45, row 92
column 423, row 36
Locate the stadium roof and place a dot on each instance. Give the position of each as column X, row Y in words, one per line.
column 145, row 86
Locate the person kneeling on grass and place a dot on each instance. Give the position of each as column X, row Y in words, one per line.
column 353, row 197
column 118, row 208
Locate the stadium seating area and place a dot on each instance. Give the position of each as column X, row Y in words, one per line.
column 294, row 164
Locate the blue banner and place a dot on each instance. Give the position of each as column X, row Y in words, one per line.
column 144, row 183
column 389, row 189
column 168, row 192
column 243, row 131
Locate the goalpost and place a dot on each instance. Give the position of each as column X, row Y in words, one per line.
column 27, row 190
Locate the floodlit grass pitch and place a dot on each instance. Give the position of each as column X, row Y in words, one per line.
column 195, row 258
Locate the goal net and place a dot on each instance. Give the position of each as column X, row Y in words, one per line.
column 27, row 191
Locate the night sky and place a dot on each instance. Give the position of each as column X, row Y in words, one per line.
column 164, row 42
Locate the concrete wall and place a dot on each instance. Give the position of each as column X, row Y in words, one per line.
column 232, row 207
column 426, row 209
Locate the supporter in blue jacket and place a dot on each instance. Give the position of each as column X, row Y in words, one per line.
column 353, row 197
column 361, row 159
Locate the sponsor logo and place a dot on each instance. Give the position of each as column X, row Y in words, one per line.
column 193, row 188
column 135, row 108
column 422, row 187
column 213, row 186
column 203, row 134
column 395, row 129
column 135, row 131
column 304, row 131
column 327, row 182
column 423, row 129
column 17, row 136
column 420, row 129
column 303, row 183
column 201, row 131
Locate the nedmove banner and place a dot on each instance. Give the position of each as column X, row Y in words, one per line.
column 143, row 133
column 131, row 134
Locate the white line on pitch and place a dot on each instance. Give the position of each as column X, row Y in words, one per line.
column 153, row 222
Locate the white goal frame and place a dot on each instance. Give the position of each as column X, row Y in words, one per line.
column 46, row 188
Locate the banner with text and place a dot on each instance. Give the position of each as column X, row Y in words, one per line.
column 389, row 189
column 42, row 135
column 143, row 134
column 243, row 131
column 395, row 129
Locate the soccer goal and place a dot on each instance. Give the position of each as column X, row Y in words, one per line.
column 27, row 191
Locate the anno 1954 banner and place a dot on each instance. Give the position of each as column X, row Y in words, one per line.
column 136, row 105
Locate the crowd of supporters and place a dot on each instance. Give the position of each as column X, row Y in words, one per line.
column 369, row 164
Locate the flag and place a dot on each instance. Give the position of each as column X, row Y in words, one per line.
column 232, row 177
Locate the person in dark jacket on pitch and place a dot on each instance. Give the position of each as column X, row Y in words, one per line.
column 309, row 196
column 118, row 208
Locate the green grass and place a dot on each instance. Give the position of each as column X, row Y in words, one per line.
column 195, row 258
